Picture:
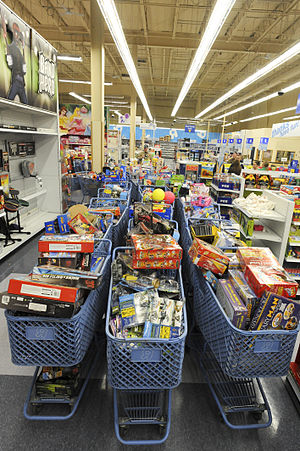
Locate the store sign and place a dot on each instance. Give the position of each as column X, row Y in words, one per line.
column 231, row 141
column 298, row 105
column 47, row 70
column 263, row 144
column 239, row 141
column 219, row 141
column 264, row 141
column 286, row 129
column 249, row 140
column 190, row 128
column 147, row 126
column 224, row 141
column 284, row 159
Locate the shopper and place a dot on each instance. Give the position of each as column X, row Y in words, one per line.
column 233, row 158
column 235, row 167
column 265, row 166
column 255, row 165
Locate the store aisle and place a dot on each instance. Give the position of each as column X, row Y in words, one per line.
column 195, row 422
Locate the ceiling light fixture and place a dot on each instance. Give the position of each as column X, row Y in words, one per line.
column 84, row 82
column 268, row 114
column 111, row 17
column 216, row 21
column 77, row 96
column 69, row 58
column 263, row 99
column 291, row 118
column 230, row 123
column 281, row 59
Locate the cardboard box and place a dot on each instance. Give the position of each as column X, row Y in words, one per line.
column 232, row 304
column 36, row 289
column 256, row 256
column 72, row 260
column 156, row 247
column 276, row 312
column 39, row 306
column 167, row 263
column 273, row 279
column 208, row 257
column 248, row 297
column 67, row 243
column 81, row 225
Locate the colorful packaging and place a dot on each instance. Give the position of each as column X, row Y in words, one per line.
column 208, row 257
column 256, row 256
column 273, row 279
column 211, row 278
column 168, row 263
column 232, row 304
column 248, row 297
column 156, row 247
column 276, row 312
column 67, row 243
column 81, row 225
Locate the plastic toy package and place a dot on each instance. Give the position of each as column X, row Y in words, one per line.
column 155, row 247
column 208, row 257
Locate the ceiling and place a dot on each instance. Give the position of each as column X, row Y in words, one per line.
column 166, row 34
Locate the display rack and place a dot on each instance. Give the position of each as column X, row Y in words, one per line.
column 276, row 225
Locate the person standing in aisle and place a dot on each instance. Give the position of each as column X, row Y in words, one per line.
column 235, row 167
column 233, row 158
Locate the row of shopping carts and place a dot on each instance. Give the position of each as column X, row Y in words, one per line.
column 144, row 371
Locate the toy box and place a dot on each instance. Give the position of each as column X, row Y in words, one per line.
column 274, row 279
column 39, row 306
column 248, row 297
column 67, row 243
column 276, row 312
column 66, row 260
column 232, row 304
column 259, row 256
column 201, row 248
column 30, row 287
column 156, row 247
column 81, row 225
column 167, row 263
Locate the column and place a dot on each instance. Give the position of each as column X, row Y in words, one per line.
column 132, row 145
column 97, row 87
column 144, row 131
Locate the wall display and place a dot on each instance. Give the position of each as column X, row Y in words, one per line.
column 28, row 66
column 75, row 119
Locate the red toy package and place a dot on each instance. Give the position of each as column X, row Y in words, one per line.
column 208, row 257
column 273, row 279
column 256, row 256
column 156, row 247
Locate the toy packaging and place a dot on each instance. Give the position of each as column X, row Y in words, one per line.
column 63, row 259
column 256, row 256
column 167, row 263
column 232, row 304
column 208, row 257
column 240, row 285
column 81, row 225
column 276, row 312
column 273, row 279
column 156, row 247
column 67, row 243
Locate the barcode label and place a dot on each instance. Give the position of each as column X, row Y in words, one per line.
column 37, row 307
column 64, row 247
column 40, row 291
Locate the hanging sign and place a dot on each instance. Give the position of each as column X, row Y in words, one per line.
column 190, row 128
column 224, row 141
column 298, row 105
column 263, row 144
column 219, row 141
column 231, row 141
column 239, row 141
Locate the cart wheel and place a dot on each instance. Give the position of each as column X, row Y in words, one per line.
column 257, row 415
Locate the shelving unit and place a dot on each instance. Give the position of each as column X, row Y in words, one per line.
column 277, row 225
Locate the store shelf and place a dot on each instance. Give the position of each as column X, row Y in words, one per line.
column 28, row 132
column 292, row 259
column 34, row 195
column 266, row 235
column 204, row 178
column 297, row 223
column 225, row 205
column 294, row 243
column 33, row 223
column 13, row 106
column 77, row 144
column 253, row 189
column 275, row 216
column 224, row 190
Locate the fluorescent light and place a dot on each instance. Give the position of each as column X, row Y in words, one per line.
column 263, row 99
column 77, row 96
column 117, row 101
column 291, row 118
column 216, row 21
column 84, row 82
column 230, row 123
column 114, row 97
column 110, row 14
column 69, row 58
column 281, row 59
column 268, row 114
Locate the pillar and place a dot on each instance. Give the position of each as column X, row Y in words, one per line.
column 97, row 87
column 132, row 144
column 144, row 131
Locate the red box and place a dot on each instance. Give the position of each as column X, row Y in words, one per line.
column 207, row 263
column 156, row 247
column 67, row 243
column 256, row 256
column 166, row 263
column 273, row 279
column 43, row 290
column 200, row 252
column 81, row 225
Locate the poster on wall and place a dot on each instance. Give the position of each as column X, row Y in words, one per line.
column 44, row 73
column 15, row 57
column 28, row 66
column 75, row 119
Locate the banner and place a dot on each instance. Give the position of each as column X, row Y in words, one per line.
column 28, row 64
column 190, row 128
column 75, row 119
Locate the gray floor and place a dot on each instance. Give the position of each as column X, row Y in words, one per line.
column 196, row 423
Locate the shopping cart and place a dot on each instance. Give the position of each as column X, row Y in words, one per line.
column 40, row 341
column 142, row 372
column 174, row 224
column 89, row 187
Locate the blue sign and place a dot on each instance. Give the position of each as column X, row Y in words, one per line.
column 239, row 141
column 298, row 105
column 264, row 140
column 190, row 128
column 224, row 141
column 231, row 141
column 219, row 141
column 250, row 140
